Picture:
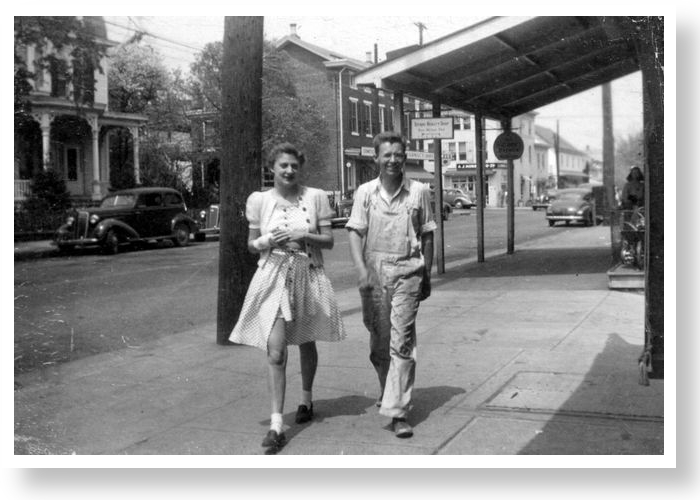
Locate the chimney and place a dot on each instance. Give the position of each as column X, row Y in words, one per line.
column 293, row 29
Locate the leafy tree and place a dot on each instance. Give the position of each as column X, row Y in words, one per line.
column 286, row 115
column 140, row 83
column 75, row 35
column 48, row 193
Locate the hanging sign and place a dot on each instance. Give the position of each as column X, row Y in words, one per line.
column 432, row 128
column 508, row 146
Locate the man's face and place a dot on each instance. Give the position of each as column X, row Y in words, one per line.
column 390, row 159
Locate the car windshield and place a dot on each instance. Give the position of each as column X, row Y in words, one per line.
column 118, row 200
column 572, row 196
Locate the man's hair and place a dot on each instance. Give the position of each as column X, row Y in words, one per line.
column 284, row 148
column 389, row 136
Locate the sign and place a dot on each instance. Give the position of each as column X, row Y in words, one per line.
column 419, row 155
column 508, row 146
column 432, row 128
column 365, row 151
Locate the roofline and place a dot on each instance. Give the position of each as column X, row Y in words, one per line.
column 376, row 75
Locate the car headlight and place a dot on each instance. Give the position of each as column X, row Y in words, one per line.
column 94, row 219
column 70, row 220
column 580, row 212
column 203, row 214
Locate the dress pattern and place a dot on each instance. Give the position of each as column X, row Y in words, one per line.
column 288, row 285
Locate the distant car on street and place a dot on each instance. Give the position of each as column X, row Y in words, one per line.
column 342, row 211
column 542, row 201
column 458, row 198
column 572, row 205
column 129, row 216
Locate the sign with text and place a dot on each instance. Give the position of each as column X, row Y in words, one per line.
column 432, row 128
column 508, row 146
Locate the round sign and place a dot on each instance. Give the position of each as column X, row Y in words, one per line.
column 508, row 146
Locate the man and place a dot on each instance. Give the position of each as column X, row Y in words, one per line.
column 391, row 242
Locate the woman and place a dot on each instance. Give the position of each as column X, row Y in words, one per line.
column 290, row 299
column 633, row 190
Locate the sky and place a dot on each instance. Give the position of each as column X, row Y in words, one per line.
column 179, row 38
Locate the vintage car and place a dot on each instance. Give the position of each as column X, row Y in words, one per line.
column 543, row 200
column 572, row 205
column 457, row 198
column 342, row 212
column 129, row 216
column 209, row 222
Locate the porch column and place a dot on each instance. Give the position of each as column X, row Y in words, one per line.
column 44, row 120
column 96, row 187
column 137, row 170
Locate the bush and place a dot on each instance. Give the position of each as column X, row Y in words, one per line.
column 45, row 208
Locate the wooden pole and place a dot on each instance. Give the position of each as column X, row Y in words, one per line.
column 437, row 161
column 480, row 195
column 608, row 154
column 510, row 208
column 241, row 162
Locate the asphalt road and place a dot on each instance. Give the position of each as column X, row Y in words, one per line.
column 74, row 306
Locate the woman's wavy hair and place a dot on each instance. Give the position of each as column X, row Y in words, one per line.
column 284, row 148
column 639, row 170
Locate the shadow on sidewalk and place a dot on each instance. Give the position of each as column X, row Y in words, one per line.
column 534, row 262
column 622, row 416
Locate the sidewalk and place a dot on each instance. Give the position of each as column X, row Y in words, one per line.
column 528, row 353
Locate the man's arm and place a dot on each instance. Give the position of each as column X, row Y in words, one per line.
column 355, row 240
column 427, row 249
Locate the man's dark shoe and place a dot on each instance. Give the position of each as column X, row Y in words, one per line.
column 401, row 428
column 272, row 439
column 304, row 414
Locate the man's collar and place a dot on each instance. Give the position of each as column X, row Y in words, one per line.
column 405, row 182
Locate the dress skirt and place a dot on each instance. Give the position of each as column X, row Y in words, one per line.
column 287, row 285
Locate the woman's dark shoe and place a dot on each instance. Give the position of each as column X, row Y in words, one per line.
column 304, row 414
column 273, row 439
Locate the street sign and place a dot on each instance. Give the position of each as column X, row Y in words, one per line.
column 508, row 146
column 432, row 128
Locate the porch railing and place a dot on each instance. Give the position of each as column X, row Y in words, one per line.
column 22, row 189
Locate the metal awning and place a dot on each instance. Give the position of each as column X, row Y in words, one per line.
column 505, row 66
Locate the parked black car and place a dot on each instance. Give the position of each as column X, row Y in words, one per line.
column 129, row 216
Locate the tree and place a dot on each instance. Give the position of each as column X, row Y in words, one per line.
column 140, row 83
column 286, row 115
column 49, row 35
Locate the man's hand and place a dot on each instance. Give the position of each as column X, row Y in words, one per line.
column 363, row 282
column 426, row 287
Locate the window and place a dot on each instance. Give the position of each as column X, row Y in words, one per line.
column 353, row 84
column 84, row 80
column 367, row 119
column 354, row 124
column 456, row 123
column 59, row 77
column 172, row 199
column 467, row 123
column 382, row 118
column 462, row 151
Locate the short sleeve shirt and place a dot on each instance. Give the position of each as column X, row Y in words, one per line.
column 412, row 194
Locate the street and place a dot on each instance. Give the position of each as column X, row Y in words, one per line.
column 70, row 307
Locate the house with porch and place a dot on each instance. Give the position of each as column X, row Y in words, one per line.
column 71, row 136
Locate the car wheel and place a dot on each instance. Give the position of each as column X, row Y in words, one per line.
column 551, row 223
column 111, row 243
column 182, row 235
column 458, row 204
column 200, row 237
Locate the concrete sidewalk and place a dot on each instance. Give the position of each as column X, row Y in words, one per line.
column 528, row 353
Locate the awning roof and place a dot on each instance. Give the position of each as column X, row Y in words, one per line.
column 506, row 66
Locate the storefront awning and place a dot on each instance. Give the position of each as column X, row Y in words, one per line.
column 418, row 173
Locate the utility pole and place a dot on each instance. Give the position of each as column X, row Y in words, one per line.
column 556, row 156
column 241, row 162
column 608, row 153
column 421, row 27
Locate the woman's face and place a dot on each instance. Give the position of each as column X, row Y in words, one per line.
column 636, row 174
column 286, row 170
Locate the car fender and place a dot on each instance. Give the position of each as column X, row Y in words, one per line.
column 125, row 229
column 179, row 218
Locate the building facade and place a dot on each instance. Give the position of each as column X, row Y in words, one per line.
column 65, row 134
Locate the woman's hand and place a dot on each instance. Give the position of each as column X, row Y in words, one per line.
column 284, row 237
